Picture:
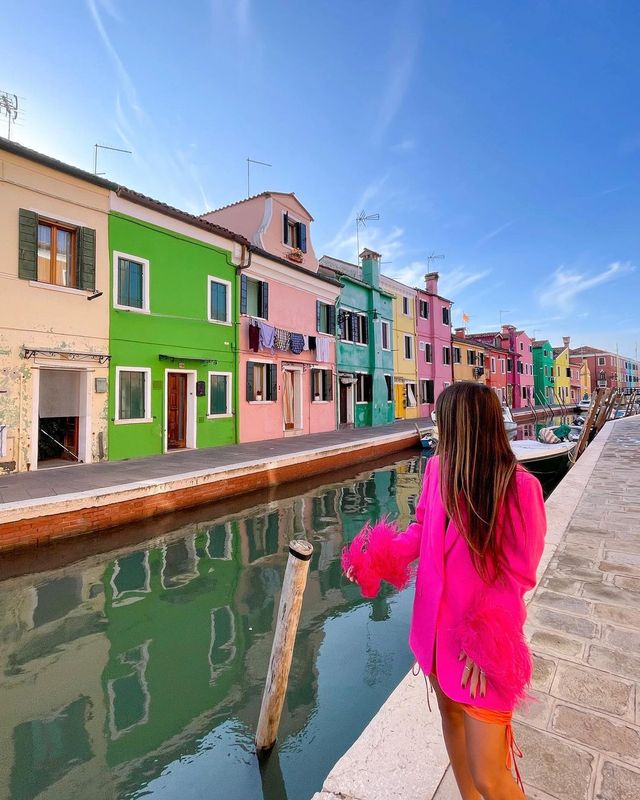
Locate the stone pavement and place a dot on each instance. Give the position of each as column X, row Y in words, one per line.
column 93, row 477
column 581, row 738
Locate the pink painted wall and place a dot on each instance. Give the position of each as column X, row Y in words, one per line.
column 524, row 379
column 435, row 332
column 293, row 309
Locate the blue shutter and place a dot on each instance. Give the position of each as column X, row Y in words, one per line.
column 285, row 227
column 328, row 392
column 302, row 236
column 331, row 314
column 318, row 307
column 250, row 381
column 243, row 294
column 272, row 377
column 264, row 291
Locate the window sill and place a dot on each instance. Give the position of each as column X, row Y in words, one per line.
column 219, row 416
column 254, row 316
column 261, row 402
column 53, row 287
column 132, row 421
column 131, row 309
column 219, row 322
column 321, row 402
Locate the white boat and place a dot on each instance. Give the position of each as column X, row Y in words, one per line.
column 545, row 461
column 584, row 405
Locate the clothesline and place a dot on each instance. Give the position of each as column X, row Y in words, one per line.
column 263, row 336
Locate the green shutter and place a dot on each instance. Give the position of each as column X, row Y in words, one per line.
column 264, row 305
column 250, row 395
column 243, row 294
column 86, row 244
column 331, row 314
column 285, row 227
column 272, row 378
column 328, row 392
column 317, row 315
column 28, row 245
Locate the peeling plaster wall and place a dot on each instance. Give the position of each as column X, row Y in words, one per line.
column 40, row 316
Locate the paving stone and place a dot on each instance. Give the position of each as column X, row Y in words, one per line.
column 619, row 568
column 630, row 584
column 544, row 670
column 609, row 593
column 593, row 689
column 618, row 783
column 597, row 732
column 555, row 644
column 618, row 614
column 546, row 618
column 623, row 638
column 614, row 661
column 553, row 765
column 558, row 583
column 585, row 549
column 537, row 710
column 561, row 602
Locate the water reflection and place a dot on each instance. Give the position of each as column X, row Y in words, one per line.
column 140, row 672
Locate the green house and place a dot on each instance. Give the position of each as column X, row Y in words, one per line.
column 173, row 330
column 364, row 354
column 543, row 381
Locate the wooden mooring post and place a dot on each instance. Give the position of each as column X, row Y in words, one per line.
column 295, row 580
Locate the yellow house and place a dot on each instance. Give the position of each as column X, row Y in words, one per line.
column 562, row 372
column 468, row 356
column 585, row 380
column 405, row 366
column 54, row 323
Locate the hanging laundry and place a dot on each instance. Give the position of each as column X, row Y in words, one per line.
column 254, row 337
column 305, row 346
column 322, row 348
column 282, row 339
column 297, row 343
column 267, row 336
column 312, row 342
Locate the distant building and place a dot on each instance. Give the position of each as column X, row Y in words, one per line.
column 433, row 331
column 607, row 369
column 543, row 372
column 405, row 372
column 519, row 362
column 468, row 356
column 562, row 372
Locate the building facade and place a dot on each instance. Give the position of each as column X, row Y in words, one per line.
column 173, row 372
column 518, row 362
column 54, row 323
column 468, row 356
column 433, row 333
column 287, row 342
column 364, row 358
column 562, row 372
column 543, row 374
column 405, row 353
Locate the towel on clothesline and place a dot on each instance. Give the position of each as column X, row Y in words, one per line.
column 306, row 343
column 254, row 337
column 267, row 336
column 282, row 339
column 322, row 348
column 297, row 343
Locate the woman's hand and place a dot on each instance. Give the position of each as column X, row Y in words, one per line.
column 350, row 575
column 473, row 676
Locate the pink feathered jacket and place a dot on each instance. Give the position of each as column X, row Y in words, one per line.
column 454, row 610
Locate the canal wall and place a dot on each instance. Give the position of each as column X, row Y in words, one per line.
column 121, row 493
column 401, row 753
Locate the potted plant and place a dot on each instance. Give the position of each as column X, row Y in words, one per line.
column 295, row 254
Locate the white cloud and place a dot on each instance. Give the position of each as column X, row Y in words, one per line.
column 565, row 286
column 405, row 145
column 454, row 282
column 343, row 244
column 496, row 232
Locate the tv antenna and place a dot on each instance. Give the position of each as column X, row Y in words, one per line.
column 9, row 107
column 433, row 257
column 251, row 161
column 361, row 220
column 97, row 147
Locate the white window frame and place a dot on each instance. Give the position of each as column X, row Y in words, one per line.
column 229, row 377
column 390, row 377
column 147, row 397
column 503, row 367
column 426, row 302
column 408, row 338
column 406, row 301
column 602, row 361
column 447, row 361
column 211, row 279
column 361, row 376
column 385, row 324
column 117, row 254
column 3, row 439
column 261, row 363
column 428, row 351
column 323, row 399
column 448, row 310
column 415, row 394
column 493, row 364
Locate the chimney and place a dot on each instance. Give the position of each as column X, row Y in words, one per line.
column 460, row 333
column 507, row 328
column 370, row 267
column 566, row 340
column 431, row 282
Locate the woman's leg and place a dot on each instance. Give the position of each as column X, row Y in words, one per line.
column 453, row 731
column 487, row 749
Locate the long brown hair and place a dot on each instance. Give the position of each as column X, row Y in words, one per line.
column 477, row 466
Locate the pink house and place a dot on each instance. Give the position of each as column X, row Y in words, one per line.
column 433, row 331
column 519, row 355
column 287, row 383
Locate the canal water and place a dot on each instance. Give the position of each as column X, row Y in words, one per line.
column 139, row 672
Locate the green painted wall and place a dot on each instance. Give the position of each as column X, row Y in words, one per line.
column 177, row 326
column 543, row 384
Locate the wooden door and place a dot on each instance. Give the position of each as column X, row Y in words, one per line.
column 177, row 411
column 344, row 394
column 70, row 439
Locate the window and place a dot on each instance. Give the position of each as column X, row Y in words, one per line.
column 524, row 393
column 521, row 345
column 426, row 391
column 219, row 301
column 457, row 356
column 446, row 317
column 389, row 382
column 133, row 394
column 493, row 364
column 405, row 307
column 294, row 234
column 56, row 254
column 262, row 382
column 410, row 395
column 471, row 358
column 481, row 359
column 509, row 365
column 321, row 385
column 446, row 355
column 3, row 440
column 325, row 318
column 568, row 371
column 601, row 361
column 385, row 330
column 219, row 394
column 424, row 309
column 502, row 365
column 521, row 368
column 408, row 347
column 254, row 297
column 364, row 388
column 428, row 352
column 354, row 327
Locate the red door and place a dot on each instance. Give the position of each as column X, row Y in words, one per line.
column 177, row 411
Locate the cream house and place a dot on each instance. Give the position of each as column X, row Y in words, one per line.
column 54, row 318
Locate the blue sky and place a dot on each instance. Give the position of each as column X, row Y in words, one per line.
column 503, row 135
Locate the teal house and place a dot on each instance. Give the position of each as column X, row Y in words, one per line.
column 172, row 329
column 364, row 354
column 543, row 380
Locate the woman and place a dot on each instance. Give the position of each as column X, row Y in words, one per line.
column 479, row 536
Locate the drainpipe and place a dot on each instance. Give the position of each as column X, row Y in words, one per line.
column 246, row 252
